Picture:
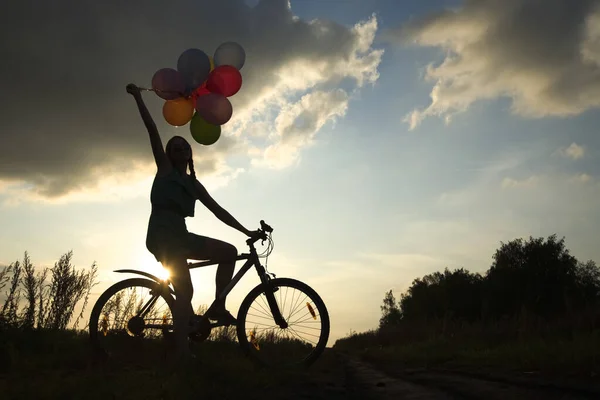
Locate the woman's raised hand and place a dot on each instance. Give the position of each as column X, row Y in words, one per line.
column 133, row 90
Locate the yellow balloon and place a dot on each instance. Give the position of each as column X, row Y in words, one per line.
column 212, row 62
column 178, row 112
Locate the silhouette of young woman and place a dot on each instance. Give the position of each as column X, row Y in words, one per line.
column 173, row 196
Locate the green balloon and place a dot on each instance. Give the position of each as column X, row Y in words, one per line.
column 203, row 132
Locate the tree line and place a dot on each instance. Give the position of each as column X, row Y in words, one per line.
column 538, row 277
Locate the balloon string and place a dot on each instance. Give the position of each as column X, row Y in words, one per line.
column 162, row 91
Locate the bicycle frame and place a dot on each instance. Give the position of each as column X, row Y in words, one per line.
column 251, row 258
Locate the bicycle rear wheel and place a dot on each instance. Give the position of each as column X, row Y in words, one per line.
column 305, row 338
column 129, row 317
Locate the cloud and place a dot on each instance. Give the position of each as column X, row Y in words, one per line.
column 131, row 181
column 66, row 115
column 298, row 123
column 518, row 196
column 285, row 126
column 581, row 178
column 574, row 151
column 542, row 55
column 508, row 183
column 123, row 179
column 120, row 180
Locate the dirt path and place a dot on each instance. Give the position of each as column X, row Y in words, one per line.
column 336, row 377
column 365, row 380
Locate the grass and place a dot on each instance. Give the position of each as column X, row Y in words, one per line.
column 43, row 354
column 502, row 347
column 58, row 364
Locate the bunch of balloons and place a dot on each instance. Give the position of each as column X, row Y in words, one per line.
column 199, row 88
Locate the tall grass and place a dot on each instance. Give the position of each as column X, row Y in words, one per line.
column 44, row 299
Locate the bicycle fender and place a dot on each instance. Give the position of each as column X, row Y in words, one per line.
column 143, row 273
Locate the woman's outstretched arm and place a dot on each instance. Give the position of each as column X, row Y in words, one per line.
column 157, row 148
column 219, row 211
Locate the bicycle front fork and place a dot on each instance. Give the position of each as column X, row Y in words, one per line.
column 269, row 293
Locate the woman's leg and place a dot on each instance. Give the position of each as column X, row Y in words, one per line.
column 205, row 248
column 182, row 311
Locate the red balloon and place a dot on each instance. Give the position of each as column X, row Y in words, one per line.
column 215, row 108
column 201, row 91
column 225, row 80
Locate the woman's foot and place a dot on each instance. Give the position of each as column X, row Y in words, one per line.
column 223, row 317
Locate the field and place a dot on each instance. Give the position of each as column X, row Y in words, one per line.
column 45, row 364
column 449, row 337
column 557, row 352
column 59, row 365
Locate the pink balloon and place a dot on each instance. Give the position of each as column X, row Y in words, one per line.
column 215, row 108
column 168, row 83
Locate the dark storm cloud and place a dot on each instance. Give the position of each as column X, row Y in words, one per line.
column 65, row 64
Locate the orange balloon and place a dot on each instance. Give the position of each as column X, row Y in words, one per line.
column 178, row 112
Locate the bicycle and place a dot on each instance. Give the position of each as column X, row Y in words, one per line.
column 126, row 317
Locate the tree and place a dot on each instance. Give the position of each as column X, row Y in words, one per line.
column 390, row 312
column 536, row 275
column 456, row 293
column 588, row 284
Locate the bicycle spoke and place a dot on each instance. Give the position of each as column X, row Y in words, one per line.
column 298, row 309
column 262, row 312
column 258, row 316
column 294, row 306
column 304, row 315
column 301, row 338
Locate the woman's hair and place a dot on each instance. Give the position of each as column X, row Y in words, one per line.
column 190, row 163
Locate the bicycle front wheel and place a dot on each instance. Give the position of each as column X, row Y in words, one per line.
column 301, row 342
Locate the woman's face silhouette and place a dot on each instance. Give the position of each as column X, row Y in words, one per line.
column 180, row 152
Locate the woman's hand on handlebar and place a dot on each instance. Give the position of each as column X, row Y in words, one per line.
column 254, row 234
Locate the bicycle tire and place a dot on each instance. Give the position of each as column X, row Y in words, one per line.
column 111, row 291
column 247, row 347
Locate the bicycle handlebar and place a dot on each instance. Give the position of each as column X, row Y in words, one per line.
column 264, row 229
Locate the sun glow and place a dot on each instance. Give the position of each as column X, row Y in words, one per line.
column 150, row 265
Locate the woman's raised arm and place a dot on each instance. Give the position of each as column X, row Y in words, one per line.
column 157, row 148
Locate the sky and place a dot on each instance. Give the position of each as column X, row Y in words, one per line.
column 382, row 140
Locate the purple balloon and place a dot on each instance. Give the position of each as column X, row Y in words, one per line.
column 168, row 83
column 215, row 108
column 194, row 66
